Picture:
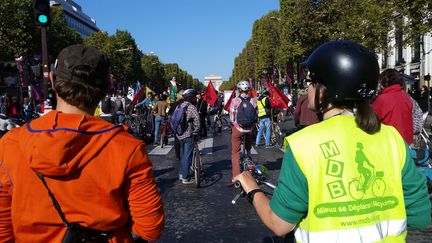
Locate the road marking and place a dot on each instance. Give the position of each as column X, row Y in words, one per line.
column 161, row 151
column 206, row 146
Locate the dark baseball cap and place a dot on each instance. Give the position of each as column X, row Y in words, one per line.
column 84, row 64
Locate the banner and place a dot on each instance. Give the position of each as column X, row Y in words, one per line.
column 277, row 98
column 210, row 95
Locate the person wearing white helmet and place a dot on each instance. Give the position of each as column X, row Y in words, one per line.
column 243, row 116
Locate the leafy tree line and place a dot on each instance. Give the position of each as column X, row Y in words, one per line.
column 20, row 37
column 130, row 64
column 282, row 39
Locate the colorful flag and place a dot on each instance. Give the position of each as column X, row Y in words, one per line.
column 210, row 95
column 277, row 98
column 138, row 95
column 148, row 90
column 137, row 86
column 228, row 103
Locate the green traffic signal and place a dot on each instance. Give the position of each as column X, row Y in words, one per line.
column 43, row 19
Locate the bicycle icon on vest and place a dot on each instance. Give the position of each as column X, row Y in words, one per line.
column 368, row 179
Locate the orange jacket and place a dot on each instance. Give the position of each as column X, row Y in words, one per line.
column 100, row 175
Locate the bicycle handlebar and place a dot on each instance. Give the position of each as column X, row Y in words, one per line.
column 259, row 172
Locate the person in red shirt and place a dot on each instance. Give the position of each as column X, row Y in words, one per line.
column 99, row 174
column 393, row 105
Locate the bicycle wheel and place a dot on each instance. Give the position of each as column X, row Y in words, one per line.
column 217, row 126
column 354, row 190
column 279, row 138
column 197, row 166
column 378, row 187
column 225, row 124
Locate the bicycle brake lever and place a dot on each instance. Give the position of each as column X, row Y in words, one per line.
column 240, row 194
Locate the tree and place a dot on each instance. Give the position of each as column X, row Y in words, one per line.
column 226, row 85
column 17, row 29
column 265, row 41
column 123, row 52
column 153, row 70
column 59, row 34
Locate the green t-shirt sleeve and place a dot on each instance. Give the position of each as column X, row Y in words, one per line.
column 290, row 198
column 416, row 195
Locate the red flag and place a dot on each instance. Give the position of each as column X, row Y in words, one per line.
column 277, row 98
column 138, row 95
column 228, row 104
column 252, row 91
column 210, row 95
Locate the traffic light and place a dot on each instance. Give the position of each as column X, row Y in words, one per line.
column 427, row 77
column 42, row 14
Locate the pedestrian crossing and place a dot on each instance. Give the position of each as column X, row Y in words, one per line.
column 205, row 146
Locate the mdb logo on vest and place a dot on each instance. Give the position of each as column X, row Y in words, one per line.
column 364, row 193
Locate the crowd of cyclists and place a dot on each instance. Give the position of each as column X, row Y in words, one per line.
column 344, row 131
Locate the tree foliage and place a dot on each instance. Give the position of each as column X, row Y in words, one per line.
column 282, row 39
column 19, row 35
column 17, row 31
column 59, row 35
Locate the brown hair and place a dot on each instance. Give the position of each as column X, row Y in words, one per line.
column 389, row 77
column 365, row 117
column 78, row 93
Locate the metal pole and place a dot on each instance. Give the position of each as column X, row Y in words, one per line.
column 45, row 66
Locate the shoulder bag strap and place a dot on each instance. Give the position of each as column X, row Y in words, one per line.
column 54, row 200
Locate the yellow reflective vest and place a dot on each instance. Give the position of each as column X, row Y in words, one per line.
column 354, row 182
column 261, row 107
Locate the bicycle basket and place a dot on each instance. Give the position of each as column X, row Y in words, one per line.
column 379, row 174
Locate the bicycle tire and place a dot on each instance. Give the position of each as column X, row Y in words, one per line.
column 278, row 135
column 354, row 191
column 378, row 187
column 225, row 124
column 197, row 167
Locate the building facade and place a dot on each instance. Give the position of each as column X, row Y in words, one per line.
column 216, row 81
column 410, row 60
column 76, row 18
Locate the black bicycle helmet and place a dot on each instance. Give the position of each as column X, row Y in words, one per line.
column 189, row 93
column 347, row 69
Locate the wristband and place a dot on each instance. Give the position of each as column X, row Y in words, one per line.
column 251, row 194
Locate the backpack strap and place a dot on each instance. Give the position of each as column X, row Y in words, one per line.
column 54, row 201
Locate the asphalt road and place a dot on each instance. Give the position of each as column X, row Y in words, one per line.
column 206, row 214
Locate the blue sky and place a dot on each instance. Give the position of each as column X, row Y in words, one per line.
column 202, row 36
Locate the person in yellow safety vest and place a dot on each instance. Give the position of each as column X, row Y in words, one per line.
column 264, row 113
column 322, row 194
